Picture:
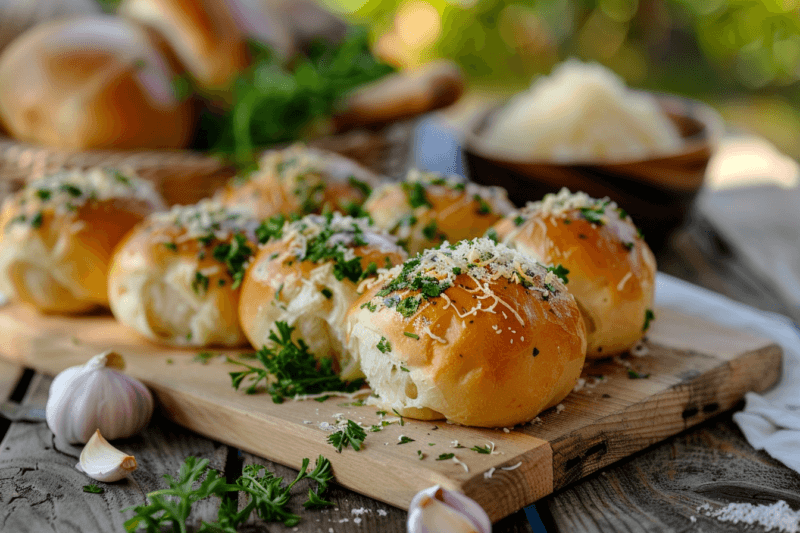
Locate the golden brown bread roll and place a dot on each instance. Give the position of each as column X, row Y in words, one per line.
column 59, row 233
column 428, row 208
column 175, row 278
column 203, row 34
column 301, row 180
column 611, row 268
column 92, row 82
column 307, row 277
column 210, row 36
column 474, row 332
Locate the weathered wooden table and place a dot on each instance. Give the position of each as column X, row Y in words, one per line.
column 656, row 490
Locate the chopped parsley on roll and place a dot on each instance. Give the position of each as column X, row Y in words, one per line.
column 612, row 270
column 302, row 180
column 428, row 208
column 307, row 275
column 57, row 236
column 474, row 332
column 175, row 278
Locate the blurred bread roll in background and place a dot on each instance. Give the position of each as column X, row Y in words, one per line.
column 59, row 232
column 91, row 82
column 428, row 208
column 17, row 16
column 175, row 278
column 301, row 180
column 210, row 36
column 307, row 276
column 611, row 269
column 473, row 332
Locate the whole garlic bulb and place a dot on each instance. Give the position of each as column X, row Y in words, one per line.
column 96, row 396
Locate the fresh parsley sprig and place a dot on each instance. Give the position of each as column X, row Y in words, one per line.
column 263, row 493
column 290, row 369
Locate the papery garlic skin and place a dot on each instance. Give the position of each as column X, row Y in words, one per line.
column 97, row 396
column 101, row 461
column 436, row 509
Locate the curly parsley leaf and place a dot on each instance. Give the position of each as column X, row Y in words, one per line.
column 350, row 434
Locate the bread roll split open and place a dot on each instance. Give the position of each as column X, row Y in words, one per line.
column 175, row 278
column 308, row 277
column 57, row 236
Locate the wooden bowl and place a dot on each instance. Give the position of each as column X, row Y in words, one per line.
column 657, row 193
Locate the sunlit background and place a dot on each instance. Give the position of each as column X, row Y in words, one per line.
column 741, row 56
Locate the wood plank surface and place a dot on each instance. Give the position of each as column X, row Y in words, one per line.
column 41, row 491
column 10, row 373
column 597, row 426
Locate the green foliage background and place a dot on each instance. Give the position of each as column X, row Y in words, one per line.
column 743, row 56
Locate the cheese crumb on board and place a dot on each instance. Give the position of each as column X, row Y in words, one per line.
column 776, row 517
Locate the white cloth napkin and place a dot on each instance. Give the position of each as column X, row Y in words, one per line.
column 770, row 422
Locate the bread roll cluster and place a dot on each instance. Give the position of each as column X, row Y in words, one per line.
column 307, row 276
column 59, row 232
column 611, row 268
column 428, row 208
column 482, row 331
column 303, row 180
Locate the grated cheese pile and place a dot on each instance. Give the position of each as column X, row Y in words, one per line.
column 566, row 202
column 206, row 219
column 776, row 517
column 482, row 260
column 582, row 113
column 65, row 192
column 343, row 232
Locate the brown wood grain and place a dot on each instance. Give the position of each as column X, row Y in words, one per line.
column 660, row 490
column 41, row 491
column 626, row 415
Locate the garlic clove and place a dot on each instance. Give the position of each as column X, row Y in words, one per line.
column 101, row 461
column 437, row 509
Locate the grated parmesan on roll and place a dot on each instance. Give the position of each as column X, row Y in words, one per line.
column 301, row 180
column 474, row 332
column 175, row 278
column 428, row 208
column 611, row 268
column 59, row 232
column 307, row 276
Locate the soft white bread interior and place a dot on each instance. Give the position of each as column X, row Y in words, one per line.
column 611, row 269
column 299, row 179
column 428, row 208
column 474, row 332
column 175, row 278
column 92, row 82
column 57, row 236
column 307, row 276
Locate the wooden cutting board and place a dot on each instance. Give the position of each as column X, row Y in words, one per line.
column 696, row 370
